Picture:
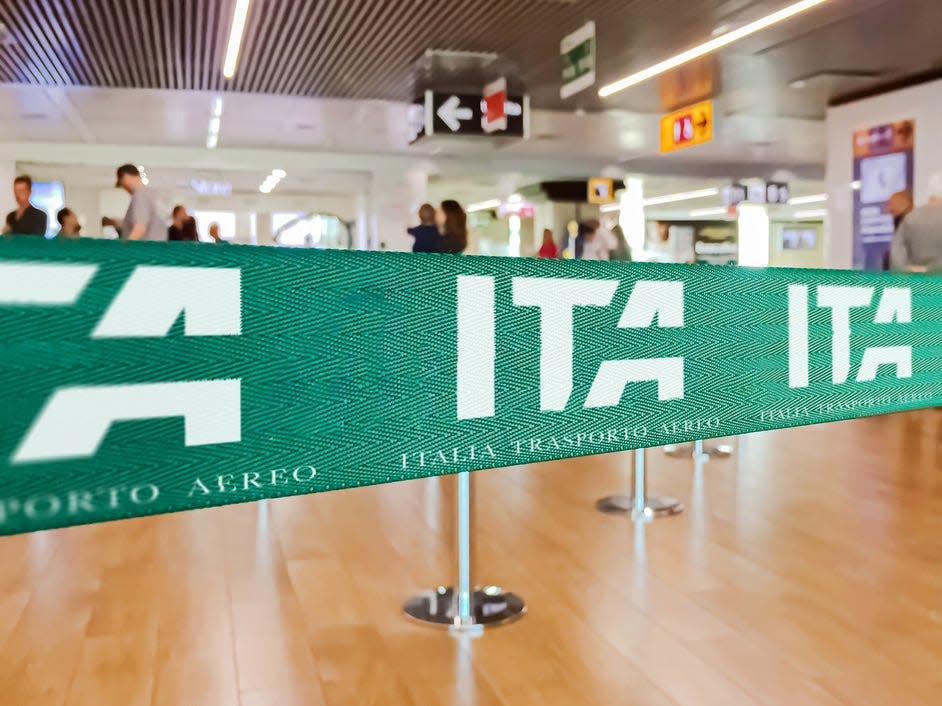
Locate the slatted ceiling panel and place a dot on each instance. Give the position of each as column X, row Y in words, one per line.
column 367, row 49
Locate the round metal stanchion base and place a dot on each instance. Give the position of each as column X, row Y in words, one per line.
column 686, row 450
column 653, row 507
column 490, row 606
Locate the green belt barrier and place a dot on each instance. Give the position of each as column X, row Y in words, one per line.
column 142, row 378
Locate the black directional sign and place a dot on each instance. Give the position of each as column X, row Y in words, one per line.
column 443, row 113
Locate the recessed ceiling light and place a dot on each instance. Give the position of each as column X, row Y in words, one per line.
column 709, row 47
column 798, row 83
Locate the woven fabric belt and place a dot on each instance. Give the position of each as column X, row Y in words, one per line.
column 142, row 378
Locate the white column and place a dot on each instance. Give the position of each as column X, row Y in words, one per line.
column 631, row 217
column 263, row 229
column 7, row 175
column 84, row 202
column 393, row 206
column 243, row 227
column 753, row 235
column 361, row 229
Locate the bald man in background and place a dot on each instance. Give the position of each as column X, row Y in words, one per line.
column 917, row 243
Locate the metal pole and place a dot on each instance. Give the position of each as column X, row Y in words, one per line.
column 463, row 618
column 639, row 504
column 641, row 483
column 462, row 609
column 706, row 451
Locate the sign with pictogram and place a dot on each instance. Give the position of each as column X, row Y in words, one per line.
column 687, row 127
column 491, row 113
column 495, row 106
column 578, row 59
column 601, row 190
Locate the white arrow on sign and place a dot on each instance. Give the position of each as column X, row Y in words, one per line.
column 452, row 113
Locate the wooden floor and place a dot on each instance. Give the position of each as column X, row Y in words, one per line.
column 806, row 570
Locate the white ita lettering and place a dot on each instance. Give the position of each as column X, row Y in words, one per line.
column 75, row 420
column 895, row 306
column 658, row 304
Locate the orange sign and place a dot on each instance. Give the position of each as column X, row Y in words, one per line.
column 601, row 190
column 687, row 127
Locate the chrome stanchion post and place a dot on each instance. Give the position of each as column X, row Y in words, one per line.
column 641, row 486
column 463, row 619
column 706, row 451
column 463, row 609
column 640, row 505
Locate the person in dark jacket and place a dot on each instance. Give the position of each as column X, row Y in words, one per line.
column 26, row 219
column 427, row 237
column 183, row 226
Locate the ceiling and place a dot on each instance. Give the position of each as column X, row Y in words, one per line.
column 369, row 49
column 91, row 125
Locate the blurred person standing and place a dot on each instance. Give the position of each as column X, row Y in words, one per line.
column 214, row 234
column 590, row 249
column 69, row 226
column 548, row 251
column 621, row 251
column 183, row 226
column 899, row 205
column 605, row 240
column 25, row 219
column 917, row 243
column 454, row 226
column 427, row 237
column 144, row 219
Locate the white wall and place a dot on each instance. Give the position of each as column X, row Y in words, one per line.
column 921, row 103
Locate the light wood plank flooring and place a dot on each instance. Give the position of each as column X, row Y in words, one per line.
column 806, row 570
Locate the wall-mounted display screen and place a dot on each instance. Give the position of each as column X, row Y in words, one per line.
column 799, row 238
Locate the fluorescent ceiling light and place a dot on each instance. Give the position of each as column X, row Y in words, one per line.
column 212, row 134
column 484, row 205
column 855, row 185
column 610, row 207
column 235, row 38
column 697, row 212
column 682, row 196
column 271, row 181
column 813, row 214
column 802, row 200
column 710, row 46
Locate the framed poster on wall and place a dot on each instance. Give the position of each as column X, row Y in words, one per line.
column 883, row 166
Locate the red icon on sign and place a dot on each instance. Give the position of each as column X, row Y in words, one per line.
column 495, row 106
column 683, row 129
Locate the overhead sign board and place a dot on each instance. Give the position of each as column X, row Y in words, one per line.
column 578, row 60
column 687, row 127
column 601, row 190
column 463, row 114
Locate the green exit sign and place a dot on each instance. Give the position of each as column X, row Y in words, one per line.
column 578, row 60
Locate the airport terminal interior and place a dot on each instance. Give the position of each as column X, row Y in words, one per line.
column 341, row 147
